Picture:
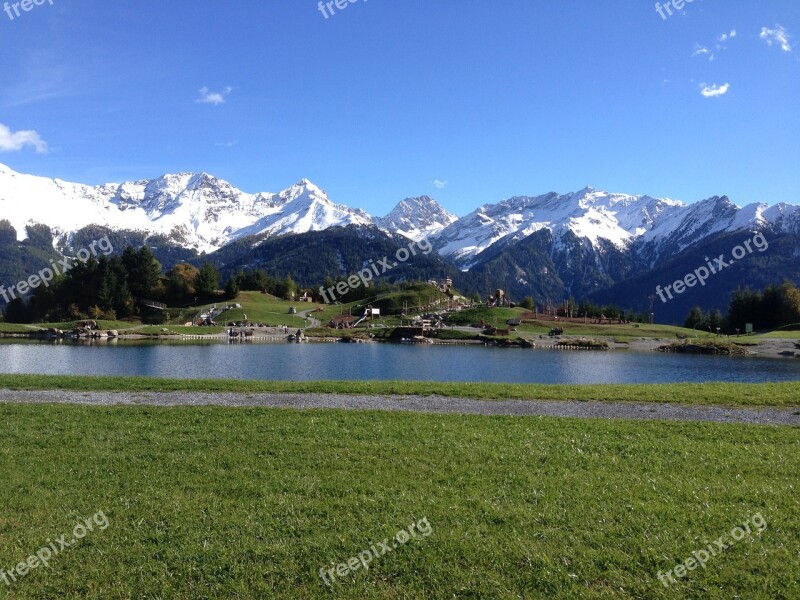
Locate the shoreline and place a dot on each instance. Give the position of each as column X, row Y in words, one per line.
column 764, row 347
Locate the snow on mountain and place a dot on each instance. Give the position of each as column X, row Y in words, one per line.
column 651, row 227
column 590, row 214
column 694, row 222
column 197, row 210
column 783, row 217
column 194, row 210
column 302, row 208
column 417, row 218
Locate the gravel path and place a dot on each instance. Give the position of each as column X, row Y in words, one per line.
column 422, row 404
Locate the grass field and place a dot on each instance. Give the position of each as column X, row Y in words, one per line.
column 781, row 335
column 496, row 317
column 261, row 308
column 628, row 331
column 15, row 328
column 65, row 326
column 252, row 503
column 724, row 394
column 176, row 330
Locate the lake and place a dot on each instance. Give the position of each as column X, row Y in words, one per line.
column 382, row 361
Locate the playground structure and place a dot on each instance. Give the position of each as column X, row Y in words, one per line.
column 368, row 312
column 498, row 299
column 205, row 318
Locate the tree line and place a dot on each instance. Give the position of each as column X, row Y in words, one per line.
column 111, row 288
column 774, row 307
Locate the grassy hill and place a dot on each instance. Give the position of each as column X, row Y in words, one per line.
column 263, row 308
column 496, row 317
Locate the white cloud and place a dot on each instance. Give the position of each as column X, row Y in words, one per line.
column 712, row 91
column 776, row 36
column 13, row 141
column 703, row 51
column 215, row 98
column 719, row 46
column 439, row 184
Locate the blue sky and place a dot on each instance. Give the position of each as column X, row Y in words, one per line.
column 467, row 101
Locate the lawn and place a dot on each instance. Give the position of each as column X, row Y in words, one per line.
column 210, row 502
column 331, row 310
column 176, row 330
column 781, row 335
column 16, row 328
column 496, row 317
column 101, row 323
column 628, row 331
column 720, row 394
column 262, row 308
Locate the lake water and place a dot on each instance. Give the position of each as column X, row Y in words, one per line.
column 383, row 361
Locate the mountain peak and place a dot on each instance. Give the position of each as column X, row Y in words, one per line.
column 417, row 218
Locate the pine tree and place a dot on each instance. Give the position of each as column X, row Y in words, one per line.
column 207, row 280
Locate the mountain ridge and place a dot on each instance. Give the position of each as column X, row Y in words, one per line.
column 204, row 213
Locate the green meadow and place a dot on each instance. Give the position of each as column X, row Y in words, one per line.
column 210, row 502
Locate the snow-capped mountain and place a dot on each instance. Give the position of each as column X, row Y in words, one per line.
column 302, row 208
column 589, row 214
column 696, row 222
column 200, row 212
column 651, row 228
column 196, row 211
column 417, row 218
